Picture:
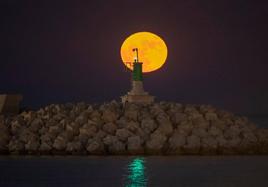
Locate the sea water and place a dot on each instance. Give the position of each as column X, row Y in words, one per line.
column 134, row 171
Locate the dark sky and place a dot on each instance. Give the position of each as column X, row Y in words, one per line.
column 69, row 51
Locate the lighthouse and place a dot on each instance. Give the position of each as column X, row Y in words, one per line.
column 137, row 93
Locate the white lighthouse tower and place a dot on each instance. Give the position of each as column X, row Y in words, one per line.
column 137, row 93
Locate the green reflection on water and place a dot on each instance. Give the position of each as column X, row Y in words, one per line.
column 136, row 177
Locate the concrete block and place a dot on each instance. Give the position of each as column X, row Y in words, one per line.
column 10, row 104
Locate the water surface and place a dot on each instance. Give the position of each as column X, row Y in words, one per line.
column 134, row 171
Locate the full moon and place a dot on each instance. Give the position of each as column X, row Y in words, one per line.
column 152, row 50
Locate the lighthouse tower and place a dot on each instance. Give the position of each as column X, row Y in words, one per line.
column 137, row 93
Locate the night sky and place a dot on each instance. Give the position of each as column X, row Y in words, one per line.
column 69, row 51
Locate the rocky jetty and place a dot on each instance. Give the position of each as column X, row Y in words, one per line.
column 164, row 128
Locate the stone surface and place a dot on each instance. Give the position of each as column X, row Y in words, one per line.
column 111, row 128
column 134, row 145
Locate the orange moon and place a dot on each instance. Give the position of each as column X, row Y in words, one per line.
column 152, row 50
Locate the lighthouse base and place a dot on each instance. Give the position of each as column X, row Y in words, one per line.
column 143, row 99
column 137, row 94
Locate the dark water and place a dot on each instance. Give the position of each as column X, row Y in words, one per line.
column 134, row 171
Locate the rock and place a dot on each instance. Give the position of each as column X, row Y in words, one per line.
column 43, row 130
column 15, row 146
column 165, row 126
column 117, row 147
column 232, row 132
column 109, row 128
column 262, row 135
column 158, row 128
column 109, row 140
column 195, row 116
column 207, row 109
column 192, row 145
column 109, row 116
column 144, row 113
column 132, row 126
column 54, row 130
column 88, row 131
column 219, row 124
column 27, row 116
column 209, row 145
column 74, row 147
column 95, row 116
column 201, row 123
column 189, row 109
column 122, row 134
column 155, row 143
column 211, row 116
column 178, row 117
column 47, row 138
column 35, row 125
column 45, row 147
column 114, row 145
column 156, row 110
column 15, row 127
column 185, row 127
column 81, row 120
column 200, row 132
column 176, row 143
column 100, row 135
column 95, row 147
column 249, row 143
column 60, row 143
column 26, row 135
column 74, row 128
column 231, row 146
column 134, row 145
column 148, row 125
column 122, row 122
column 32, row 146
column 131, row 114
column 214, row 131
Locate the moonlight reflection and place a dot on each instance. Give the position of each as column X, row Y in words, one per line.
column 136, row 173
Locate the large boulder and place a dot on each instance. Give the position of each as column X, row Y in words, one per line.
column 133, row 126
column 176, row 143
column 185, row 127
column 35, row 125
column 45, row 147
column 60, row 143
column 109, row 116
column 123, row 134
column 165, row 126
column 200, row 132
column 209, row 145
column 132, row 114
column 114, row 145
column 95, row 147
column 155, row 144
column 134, row 145
column 211, row 116
column 178, row 117
column 32, row 146
column 74, row 147
column 148, row 125
column 193, row 144
column 109, row 128
column 87, row 130
column 15, row 146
